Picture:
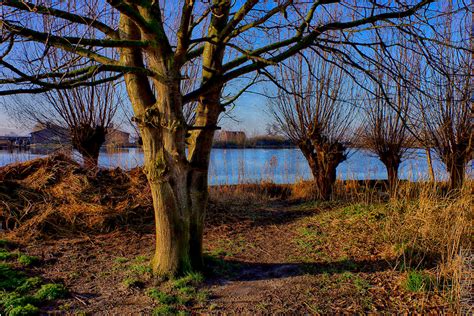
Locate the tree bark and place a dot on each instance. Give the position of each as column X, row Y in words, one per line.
column 429, row 162
column 325, row 182
column 323, row 165
column 178, row 181
column 456, row 169
column 200, row 145
column 392, row 172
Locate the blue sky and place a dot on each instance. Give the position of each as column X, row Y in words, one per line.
column 247, row 115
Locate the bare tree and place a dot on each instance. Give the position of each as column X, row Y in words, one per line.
column 384, row 131
column 237, row 42
column 83, row 115
column 445, row 104
column 312, row 109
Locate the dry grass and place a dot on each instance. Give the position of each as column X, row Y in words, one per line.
column 55, row 196
column 430, row 230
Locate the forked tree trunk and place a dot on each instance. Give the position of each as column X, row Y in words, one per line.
column 178, row 182
column 180, row 192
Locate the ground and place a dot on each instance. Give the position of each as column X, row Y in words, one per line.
column 263, row 256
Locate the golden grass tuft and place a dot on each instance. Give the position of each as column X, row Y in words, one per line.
column 431, row 229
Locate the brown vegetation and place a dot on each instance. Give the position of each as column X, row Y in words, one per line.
column 56, row 196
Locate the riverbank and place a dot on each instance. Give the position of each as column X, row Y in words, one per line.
column 269, row 248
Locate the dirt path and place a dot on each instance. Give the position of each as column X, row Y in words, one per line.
column 269, row 258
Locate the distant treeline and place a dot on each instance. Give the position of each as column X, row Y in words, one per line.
column 262, row 141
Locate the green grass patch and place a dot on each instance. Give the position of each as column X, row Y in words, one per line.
column 191, row 278
column 21, row 294
column 132, row 282
column 7, row 255
column 139, row 259
column 162, row 297
column 10, row 279
column 141, row 269
column 417, row 281
column 26, row 310
column 51, row 291
column 176, row 295
column 29, row 285
column 28, row 260
column 121, row 260
column 164, row 310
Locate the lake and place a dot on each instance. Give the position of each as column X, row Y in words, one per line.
column 231, row 166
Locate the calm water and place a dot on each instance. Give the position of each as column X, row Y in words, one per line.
column 230, row 166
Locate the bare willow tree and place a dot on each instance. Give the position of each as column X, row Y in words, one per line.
column 385, row 131
column 238, row 41
column 83, row 115
column 445, row 102
column 312, row 109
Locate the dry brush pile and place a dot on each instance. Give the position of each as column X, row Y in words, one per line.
column 56, row 196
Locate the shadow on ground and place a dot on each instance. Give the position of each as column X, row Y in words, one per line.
column 251, row 271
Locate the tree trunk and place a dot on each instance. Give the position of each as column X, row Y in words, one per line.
column 325, row 180
column 168, row 177
column 199, row 153
column 323, row 165
column 87, row 141
column 392, row 172
column 178, row 182
column 456, row 169
column 429, row 162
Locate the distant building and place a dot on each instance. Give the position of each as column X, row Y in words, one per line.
column 53, row 134
column 235, row 137
column 49, row 134
column 117, row 138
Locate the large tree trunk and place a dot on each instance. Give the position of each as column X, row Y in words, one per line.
column 323, row 166
column 169, row 175
column 325, row 180
column 178, row 182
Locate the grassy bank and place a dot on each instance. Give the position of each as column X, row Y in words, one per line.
column 269, row 248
